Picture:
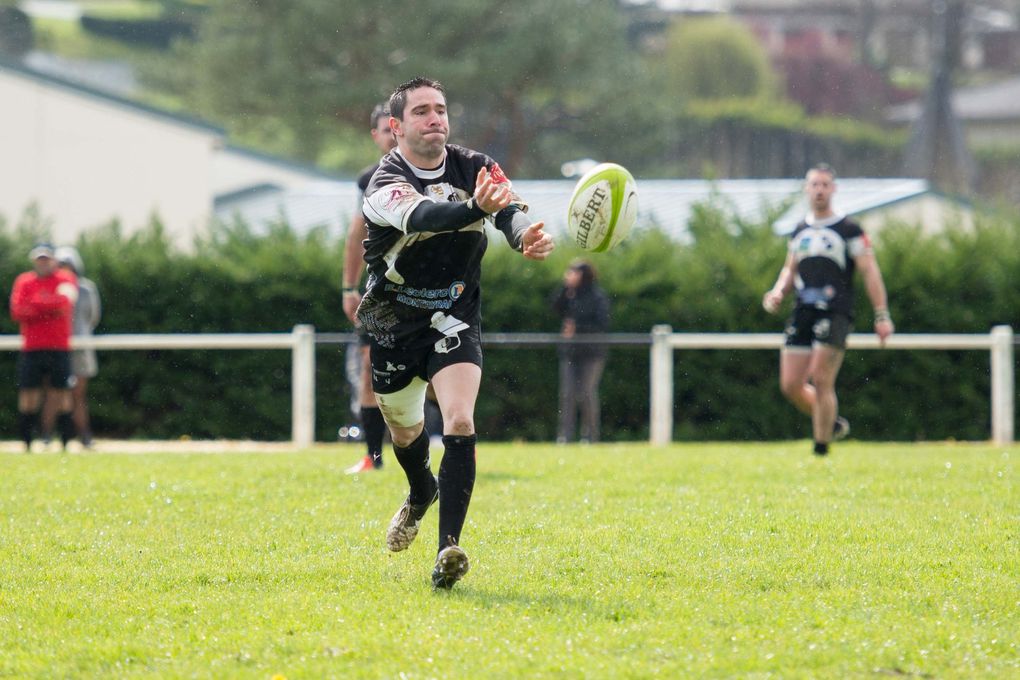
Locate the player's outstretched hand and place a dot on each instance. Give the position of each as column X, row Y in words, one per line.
column 490, row 196
column 535, row 243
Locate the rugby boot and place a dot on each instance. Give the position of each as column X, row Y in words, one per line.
column 404, row 526
column 451, row 566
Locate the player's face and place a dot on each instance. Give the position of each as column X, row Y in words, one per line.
column 572, row 278
column 44, row 266
column 819, row 187
column 383, row 136
column 425, row 128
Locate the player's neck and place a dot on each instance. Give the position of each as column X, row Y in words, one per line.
column 422, row 162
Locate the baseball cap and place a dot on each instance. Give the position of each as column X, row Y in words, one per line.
column 40, row 250
column 69, row 255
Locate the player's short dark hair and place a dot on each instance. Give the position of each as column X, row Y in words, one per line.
column 824, row 167
column 380, row 111
column 398, row 100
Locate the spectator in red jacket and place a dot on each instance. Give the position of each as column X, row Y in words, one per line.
column 42, row 302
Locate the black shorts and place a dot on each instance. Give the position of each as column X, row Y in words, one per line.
column 808, row 326
column 394, row 369
column 36, row 365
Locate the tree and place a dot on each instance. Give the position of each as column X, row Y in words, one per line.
column 295, row 73
column 16, row 35
column 715, row 58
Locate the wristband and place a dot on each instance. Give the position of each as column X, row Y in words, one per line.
column 472, row 205
column 882, row 315
column 349, row 289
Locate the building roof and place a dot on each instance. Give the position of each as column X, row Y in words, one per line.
column 666, row 203
column 18, row 69
column 996, row 101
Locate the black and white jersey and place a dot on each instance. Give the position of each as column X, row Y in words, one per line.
column 365, row 177
column 824, row 251
column 420, row 280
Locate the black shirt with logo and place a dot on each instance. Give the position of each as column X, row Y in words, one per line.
column 824, row 251
column 415, row 274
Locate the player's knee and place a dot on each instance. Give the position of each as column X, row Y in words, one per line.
column 790, row 388
column 405, row 436
column 462, row 425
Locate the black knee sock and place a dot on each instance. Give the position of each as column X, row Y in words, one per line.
column 26, row 426
column 456, row 481
column 66, row 426
column 415, row 461
column 374, row 427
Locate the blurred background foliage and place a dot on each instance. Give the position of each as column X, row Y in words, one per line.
column 534, row 84
column 959, row 281
column 297, row 79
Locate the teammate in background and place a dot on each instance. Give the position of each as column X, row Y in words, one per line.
column 42, row 302
column 824, row 250
column 372, row 424
column 425, row 208
column 584, row 308
column 84, row 365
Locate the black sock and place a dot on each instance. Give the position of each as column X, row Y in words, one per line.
column 821, row 448
column 415, row 461
column 66, row 427
column 456, row 481
column 374, row 427
column 26, row 426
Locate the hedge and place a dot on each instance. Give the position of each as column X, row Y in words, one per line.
column 237, row 281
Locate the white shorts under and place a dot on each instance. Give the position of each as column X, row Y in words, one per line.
column 406, row 407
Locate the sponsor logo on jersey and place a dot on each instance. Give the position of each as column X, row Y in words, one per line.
column 399, row 195
column 456, row 290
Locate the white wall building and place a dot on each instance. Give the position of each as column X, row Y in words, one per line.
column 85, row 158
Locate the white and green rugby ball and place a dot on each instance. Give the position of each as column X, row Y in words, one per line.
column 603, row 208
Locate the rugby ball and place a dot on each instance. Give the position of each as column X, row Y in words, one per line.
column 603, row 208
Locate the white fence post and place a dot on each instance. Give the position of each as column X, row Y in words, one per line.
column 661, row 380
column 303, row 386
column 1002, row 385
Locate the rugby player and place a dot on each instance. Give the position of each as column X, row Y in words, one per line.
column 425, row 209
column 823, row 253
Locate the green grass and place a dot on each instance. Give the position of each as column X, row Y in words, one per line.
column 721, row 560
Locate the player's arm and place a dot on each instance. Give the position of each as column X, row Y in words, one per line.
column 784, row 284
column 400, row 205
column 97, row 307
column 867, row 265
column 523, row 235
column 354, row 263
column 488, row 199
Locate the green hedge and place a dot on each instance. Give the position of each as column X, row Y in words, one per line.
column 236, row 281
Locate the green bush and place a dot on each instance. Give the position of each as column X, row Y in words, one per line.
column 236, row 281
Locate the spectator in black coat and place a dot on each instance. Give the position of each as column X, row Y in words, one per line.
column 584, row 308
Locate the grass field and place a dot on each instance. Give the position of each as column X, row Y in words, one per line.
column 720, row 560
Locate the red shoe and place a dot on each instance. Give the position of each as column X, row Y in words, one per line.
column 363, row 465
